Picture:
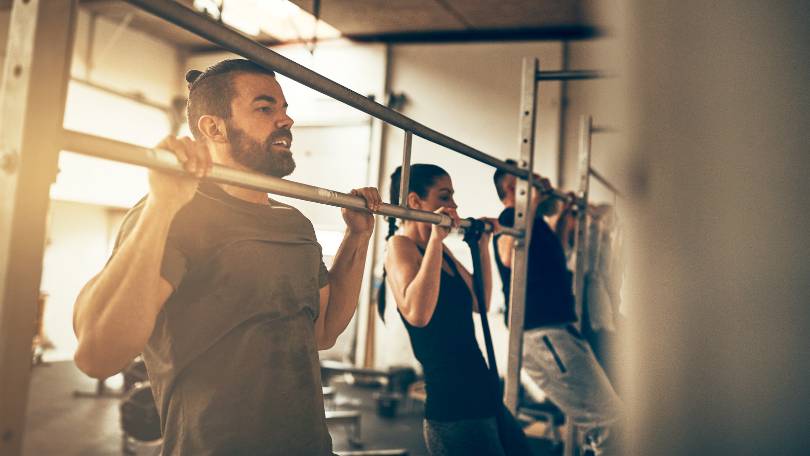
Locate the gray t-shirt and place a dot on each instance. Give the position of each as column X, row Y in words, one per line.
column 232, row 359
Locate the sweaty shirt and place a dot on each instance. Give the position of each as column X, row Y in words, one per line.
column 233, row 359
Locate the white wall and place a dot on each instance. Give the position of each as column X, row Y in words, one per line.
column 470, row 92
column 78, row 244
column 606, row 101
column 131, row 62
column 126, row 59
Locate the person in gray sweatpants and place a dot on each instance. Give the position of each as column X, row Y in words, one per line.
column 555, row 355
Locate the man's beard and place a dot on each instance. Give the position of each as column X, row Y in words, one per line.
column 261, row 157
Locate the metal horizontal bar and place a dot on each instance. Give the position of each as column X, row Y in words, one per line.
column 605, row 182
column 132, row 96
column 558, row 194
column 569, row 75
column 604, row 129
column 235, row 42
column 166, row 161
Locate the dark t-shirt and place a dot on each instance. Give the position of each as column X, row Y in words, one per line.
column 549, row 295
column 232, row 359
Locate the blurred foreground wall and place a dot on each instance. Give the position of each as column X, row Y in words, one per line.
column 720, row 292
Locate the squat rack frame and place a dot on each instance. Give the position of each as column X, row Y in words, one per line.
column 585, row 171
column 32, row 102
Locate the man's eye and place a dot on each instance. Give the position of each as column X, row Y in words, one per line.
column 265, row 109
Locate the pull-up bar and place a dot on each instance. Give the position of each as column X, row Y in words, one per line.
column 569, row 75
column 605, row 182
column 166, row 161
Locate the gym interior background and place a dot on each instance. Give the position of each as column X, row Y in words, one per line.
column 711, row 104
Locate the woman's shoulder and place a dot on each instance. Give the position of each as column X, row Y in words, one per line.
column 400, row 239
column 402, row 243
column 403, row 248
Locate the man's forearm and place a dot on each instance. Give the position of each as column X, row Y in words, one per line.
column 345, row 281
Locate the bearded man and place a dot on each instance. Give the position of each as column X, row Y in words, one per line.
column 223, row 290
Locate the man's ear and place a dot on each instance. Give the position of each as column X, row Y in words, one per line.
column 213, row 128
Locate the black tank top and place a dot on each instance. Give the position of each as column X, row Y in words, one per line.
column 549, row 294
column 457, row 381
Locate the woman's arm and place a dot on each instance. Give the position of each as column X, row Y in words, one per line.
column 414, row 282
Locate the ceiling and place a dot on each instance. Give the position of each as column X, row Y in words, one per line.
column 418, row 20
column 397, row 21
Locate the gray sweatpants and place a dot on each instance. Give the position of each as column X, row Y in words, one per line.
column 562, row 364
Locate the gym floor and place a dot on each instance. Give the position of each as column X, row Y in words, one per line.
column 59, row 423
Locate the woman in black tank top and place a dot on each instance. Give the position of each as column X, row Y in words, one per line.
column 434, row 298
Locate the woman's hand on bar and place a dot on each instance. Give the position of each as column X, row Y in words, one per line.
column 440, row 232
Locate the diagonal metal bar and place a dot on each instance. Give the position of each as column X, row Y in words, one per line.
column 405, row 175
column 599, row 177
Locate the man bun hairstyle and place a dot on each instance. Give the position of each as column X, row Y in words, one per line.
column 211, row 91
column 191, row 76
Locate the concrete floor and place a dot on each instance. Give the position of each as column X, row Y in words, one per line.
column 58, row 423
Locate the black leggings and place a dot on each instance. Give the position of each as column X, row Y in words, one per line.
column 496, row 436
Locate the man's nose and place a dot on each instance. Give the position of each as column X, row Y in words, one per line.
column 285, row 122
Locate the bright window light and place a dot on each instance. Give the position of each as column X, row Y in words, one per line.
column 242, row 15
column 92, row 180
column 209, row 7
column 286, row 21
column 280, row 19
column 330, row 241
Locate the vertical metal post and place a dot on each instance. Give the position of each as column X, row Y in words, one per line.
column 404, row 182
column 32, row 101
column 582, row 218
column 523, row 222
column 585, row 129
column 366, row 312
